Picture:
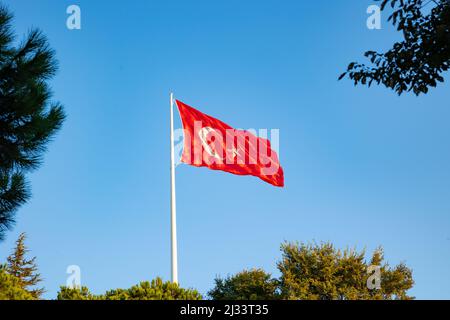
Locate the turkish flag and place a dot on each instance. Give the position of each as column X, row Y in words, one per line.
column 209, row 142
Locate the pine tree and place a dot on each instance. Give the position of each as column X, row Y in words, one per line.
column 28, row 119
column 23, row 269
column 10, row 288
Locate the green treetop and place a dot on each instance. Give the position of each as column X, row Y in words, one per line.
column 23, row 269
column 253, row 284
column 322, row 272
column 154, row 290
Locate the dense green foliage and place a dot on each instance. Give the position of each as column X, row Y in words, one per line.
column 11, row 289
column 66, row 293
column 28, row 119
column 156, row 290
column 246, row 285
column 418, row 62
column 25, row 270
column 307, row 272
column 318, row 272
column 322, row 272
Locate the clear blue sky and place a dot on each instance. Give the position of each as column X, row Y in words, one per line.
column 363, row 167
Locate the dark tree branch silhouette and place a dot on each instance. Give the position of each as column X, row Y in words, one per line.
column 416, row 63
column 28, row 119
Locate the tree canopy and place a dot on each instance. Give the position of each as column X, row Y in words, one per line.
column 307, row 272
column 28, row 117
column 154, row 290
column 322, row 272
column 319, row 272
column 253, row 284
column 419, row 61
column 10, row 287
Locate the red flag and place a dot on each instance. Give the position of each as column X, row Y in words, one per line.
column 209, row 142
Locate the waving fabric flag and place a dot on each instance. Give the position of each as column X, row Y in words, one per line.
column 209, row 142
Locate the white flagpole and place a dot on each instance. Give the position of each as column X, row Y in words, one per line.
column 173, row 208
